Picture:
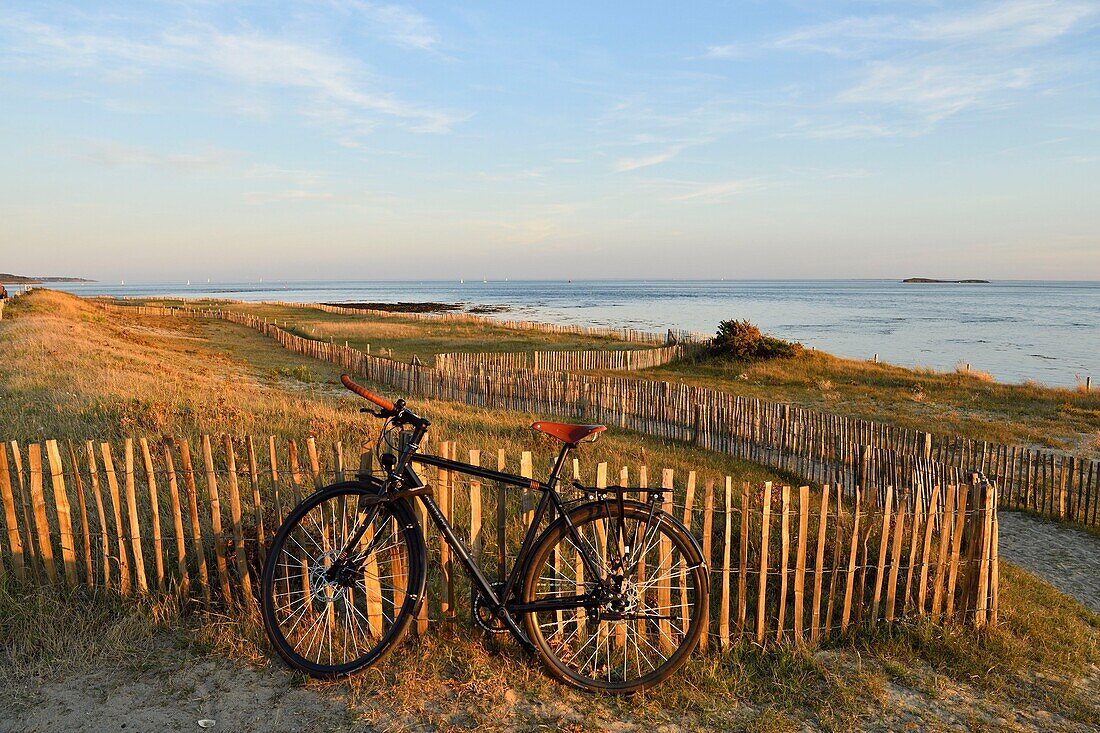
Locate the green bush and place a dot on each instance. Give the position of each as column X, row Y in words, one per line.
column 742, row 340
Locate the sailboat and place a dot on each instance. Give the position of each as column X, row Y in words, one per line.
column 122, row 283
column 188, row 282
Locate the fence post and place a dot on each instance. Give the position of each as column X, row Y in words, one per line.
column 116, row 507
column 131, row 508
column 765, row 527
column 97, row 494
column 154, row 510
column 15, row 541
column 177, row 519
column 216, row 520
column 819, row 564
column 85, row 530
column 235, row 516
column 708, row 527
column 784, row 561
column 196, row 531
column 724, row 604
column 743, row 560
column 884, row 539
column 64, row 516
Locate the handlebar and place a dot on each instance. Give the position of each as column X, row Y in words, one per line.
column 367, row 394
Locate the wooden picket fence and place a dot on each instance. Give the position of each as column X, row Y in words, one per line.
column 820, row 446
column 787, row 563
column 567, row 361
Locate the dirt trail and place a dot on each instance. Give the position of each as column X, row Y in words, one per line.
column 170, row 690
column 1066, row 557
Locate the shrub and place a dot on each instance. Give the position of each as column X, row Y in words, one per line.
column 742, row 340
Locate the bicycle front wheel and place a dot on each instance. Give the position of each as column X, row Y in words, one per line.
column 330, row 626
column 633, row 622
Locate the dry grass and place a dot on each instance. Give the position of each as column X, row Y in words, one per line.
column 405, row 337
column 71, row 371
column 1041, row 664
column 966, row 370
column 75, row 372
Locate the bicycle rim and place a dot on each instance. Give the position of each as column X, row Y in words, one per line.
column 646, row 625
column 329, row 627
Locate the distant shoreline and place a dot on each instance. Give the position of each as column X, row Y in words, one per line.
column 403, row 307
column 7, row 278
column 934, row 281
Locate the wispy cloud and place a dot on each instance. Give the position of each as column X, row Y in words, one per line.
column 913, row 71
column 725, row 51
column 112, row 154
column 645, row 131
column 405, row 26
column 204, row 160
column 259, row 198
column 250, row 58
column 398, row 24
column 832, row 129
column 721, row 191
column 933, row 92
column 629, row 164
column 1016, row 24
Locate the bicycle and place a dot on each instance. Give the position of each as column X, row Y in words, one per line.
column 611, row 595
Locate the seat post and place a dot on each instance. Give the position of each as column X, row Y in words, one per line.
column 566, row 448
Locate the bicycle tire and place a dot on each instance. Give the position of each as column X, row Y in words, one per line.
column 559, row 649
column 289, row 565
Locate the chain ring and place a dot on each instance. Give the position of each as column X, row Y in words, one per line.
column 483, row 615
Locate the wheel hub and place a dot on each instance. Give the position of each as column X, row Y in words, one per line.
column 322, row 585
column 620, row 602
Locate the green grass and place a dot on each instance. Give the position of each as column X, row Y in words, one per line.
column 403, row 338
column 973, row 405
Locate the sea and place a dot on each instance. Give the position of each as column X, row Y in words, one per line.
column 1048, row 332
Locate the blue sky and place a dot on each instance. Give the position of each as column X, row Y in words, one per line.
column 356, row 140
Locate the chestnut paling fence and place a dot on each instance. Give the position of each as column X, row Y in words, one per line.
column 822, row 447
column 786, row 563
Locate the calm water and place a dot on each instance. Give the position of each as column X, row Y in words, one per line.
column 1046, row 331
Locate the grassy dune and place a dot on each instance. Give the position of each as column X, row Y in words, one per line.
column 971, row 405
column 408, row 337
column 73, row 371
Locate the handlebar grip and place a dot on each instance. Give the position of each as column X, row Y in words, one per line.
column 367, row 394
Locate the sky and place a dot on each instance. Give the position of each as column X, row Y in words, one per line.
column 164, row 140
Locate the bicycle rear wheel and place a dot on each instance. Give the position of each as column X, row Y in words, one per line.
column 332, row 626
column 644, row 611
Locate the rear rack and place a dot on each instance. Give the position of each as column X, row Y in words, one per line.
column 654, row 494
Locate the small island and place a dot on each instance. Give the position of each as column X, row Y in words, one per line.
column 8, row 278
column 932, row 280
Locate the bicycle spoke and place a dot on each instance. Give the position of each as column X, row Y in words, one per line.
column 647, row 594
column 330, row 617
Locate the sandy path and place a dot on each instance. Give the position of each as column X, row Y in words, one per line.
column 169, row 691
column 1066, row 557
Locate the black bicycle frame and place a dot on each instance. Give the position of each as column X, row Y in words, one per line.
column 404, row 480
